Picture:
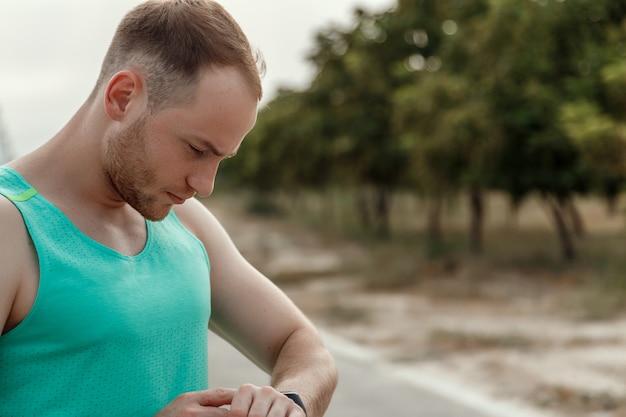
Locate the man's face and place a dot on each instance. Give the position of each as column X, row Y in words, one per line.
column 159, row 160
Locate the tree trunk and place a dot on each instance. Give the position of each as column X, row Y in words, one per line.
column 381, row 210
column 557, row 209
column 477, row 214
column 433, row 228
column 575, row 218
column 611, row 205
column 362, row 208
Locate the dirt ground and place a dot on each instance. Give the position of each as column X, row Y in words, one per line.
column 514, row 343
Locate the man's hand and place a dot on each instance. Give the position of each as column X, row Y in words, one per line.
column 248, row 401
column 207, row 403
column 253, row 401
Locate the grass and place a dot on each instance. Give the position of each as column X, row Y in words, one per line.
column 453, row 340
column 604, row 293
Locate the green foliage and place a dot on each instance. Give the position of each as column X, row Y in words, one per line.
column 442, row 96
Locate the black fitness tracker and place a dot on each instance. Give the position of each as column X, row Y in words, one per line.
column 295, row 398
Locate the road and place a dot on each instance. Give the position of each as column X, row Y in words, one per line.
column 367, row 387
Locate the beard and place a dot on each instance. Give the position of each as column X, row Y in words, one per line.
column 125, row 166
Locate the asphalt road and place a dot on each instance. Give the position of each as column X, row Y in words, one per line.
column 367, row 388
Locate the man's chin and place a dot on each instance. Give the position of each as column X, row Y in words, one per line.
column 153, row 214
column 156, row 218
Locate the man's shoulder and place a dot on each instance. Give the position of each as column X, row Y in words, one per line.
column 13, row 233
column 193, row 213
column 200, row 221
column 8, row 213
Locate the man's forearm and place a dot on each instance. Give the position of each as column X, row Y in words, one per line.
column 305, row 365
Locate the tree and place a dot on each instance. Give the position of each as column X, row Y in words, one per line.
column 535, row 62
column 355, row 80
column 442, row 120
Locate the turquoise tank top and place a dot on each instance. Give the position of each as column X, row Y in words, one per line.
column 108, row 335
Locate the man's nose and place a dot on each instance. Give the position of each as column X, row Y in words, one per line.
column 203, row 181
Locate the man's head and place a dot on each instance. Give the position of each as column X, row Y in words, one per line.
column 171, row 41
column 180, row 87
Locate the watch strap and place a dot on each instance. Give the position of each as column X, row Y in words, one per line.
column 293, row 396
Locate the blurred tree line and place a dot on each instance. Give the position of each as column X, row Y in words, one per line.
column 447, row 98
column 6, row 153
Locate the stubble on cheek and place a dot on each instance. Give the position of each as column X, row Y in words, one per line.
column 127, row 170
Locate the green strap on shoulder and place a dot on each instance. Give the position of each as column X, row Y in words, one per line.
column 26, row 195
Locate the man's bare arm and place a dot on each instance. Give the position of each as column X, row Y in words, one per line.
column 254, row 315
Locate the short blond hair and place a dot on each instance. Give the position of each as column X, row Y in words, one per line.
column 170, row 41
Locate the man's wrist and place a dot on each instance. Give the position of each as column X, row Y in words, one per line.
column 293, row 396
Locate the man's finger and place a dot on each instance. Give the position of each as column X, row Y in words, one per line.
column 216, row 397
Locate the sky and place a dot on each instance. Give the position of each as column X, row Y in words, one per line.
column 51, row 51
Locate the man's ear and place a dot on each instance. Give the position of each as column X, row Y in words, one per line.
column 123, row 90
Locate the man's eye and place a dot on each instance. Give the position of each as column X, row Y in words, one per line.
column 196, row 150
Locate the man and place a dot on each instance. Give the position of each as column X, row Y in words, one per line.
column 105, row 294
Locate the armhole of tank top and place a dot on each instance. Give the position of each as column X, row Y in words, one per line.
column 37, row 260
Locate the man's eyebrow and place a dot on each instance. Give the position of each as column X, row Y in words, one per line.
column 211, row 147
